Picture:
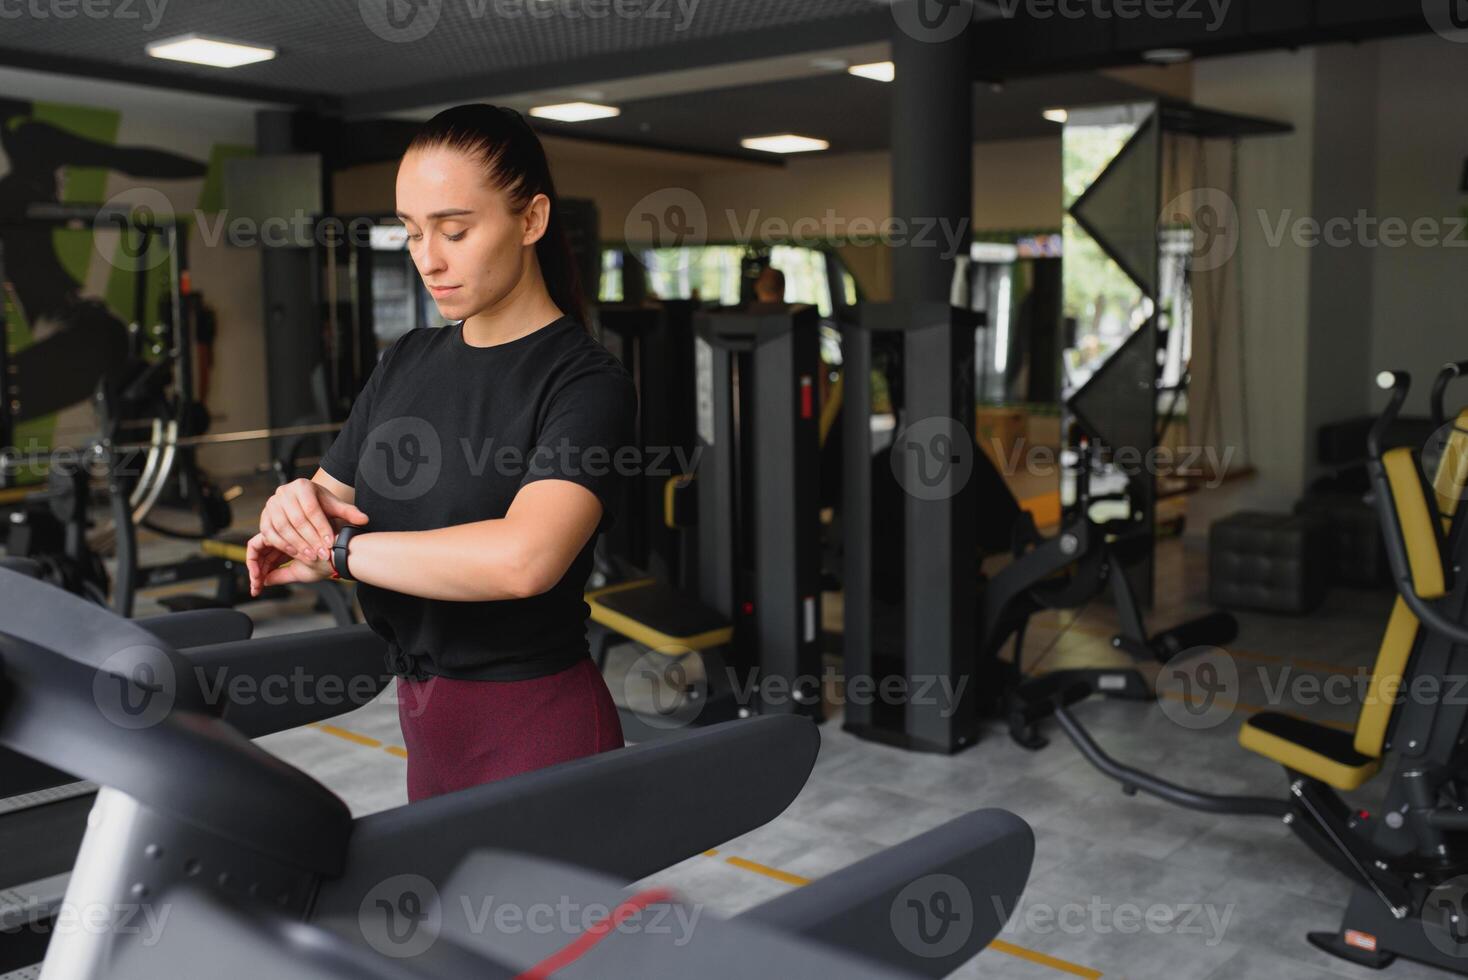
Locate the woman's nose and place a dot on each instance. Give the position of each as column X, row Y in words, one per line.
column 429, row 261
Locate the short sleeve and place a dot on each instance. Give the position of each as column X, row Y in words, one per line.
column 587, row 436
column 340, row 461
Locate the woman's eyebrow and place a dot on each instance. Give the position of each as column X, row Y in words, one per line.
column 447, row 213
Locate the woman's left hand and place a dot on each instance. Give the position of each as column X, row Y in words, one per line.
column 269, row 566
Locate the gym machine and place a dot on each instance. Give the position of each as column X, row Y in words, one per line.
column 259, row 864
column 43, row 810
column 1405, row 863
column 918, row 609
column 752, row 615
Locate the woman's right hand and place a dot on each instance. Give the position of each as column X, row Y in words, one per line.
column 302, row 518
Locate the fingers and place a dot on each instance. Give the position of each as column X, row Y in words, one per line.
column 307, row 519
column 293, row 573
column 337, row 508
column 293, row 521
column 261, row 559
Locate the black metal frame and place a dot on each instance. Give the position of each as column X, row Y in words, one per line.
column 938, row 632
column 758, row 502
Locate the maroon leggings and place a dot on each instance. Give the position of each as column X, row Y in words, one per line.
column 463, row 733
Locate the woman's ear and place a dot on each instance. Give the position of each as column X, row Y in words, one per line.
column 536, row 218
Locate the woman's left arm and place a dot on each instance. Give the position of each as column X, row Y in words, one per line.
column 522, row 554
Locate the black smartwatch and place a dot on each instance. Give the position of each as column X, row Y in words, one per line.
column 339, row 550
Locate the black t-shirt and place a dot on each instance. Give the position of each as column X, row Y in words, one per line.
column 444, row 434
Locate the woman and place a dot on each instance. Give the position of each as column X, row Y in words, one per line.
column 472, row 477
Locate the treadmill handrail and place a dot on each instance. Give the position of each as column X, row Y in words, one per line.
column 185, row 764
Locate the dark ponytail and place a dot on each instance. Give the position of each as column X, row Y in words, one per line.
column 515, row 163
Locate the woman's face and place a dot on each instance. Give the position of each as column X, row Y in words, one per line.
column 468, row 246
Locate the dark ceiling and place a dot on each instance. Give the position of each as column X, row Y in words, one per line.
column 363, row 57
column 852, row 114
column 380, row 54
column 367, row 58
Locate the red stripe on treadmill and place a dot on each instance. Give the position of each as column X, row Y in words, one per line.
column 596, row 933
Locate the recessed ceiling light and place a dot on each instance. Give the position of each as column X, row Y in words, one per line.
column 1167, row 56
column 198, row 50
column 1056, row 115
column 575, row 111
column 783, row 143
column 881, row 71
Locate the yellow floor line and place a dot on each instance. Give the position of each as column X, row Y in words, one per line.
column 371, row 743
column 768, row 872
column 998, row 945
column 359, row 739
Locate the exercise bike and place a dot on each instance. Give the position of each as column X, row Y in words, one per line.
column 1406, row 865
